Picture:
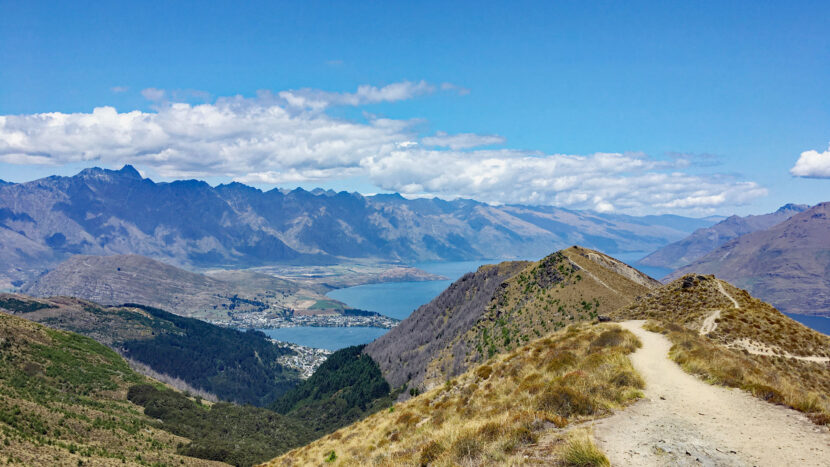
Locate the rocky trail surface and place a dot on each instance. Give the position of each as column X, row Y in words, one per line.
column 684, row 421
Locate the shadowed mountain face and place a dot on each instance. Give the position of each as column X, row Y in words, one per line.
column 500, row 307
column 787, row 265
column 106, row 212
column 703, row 241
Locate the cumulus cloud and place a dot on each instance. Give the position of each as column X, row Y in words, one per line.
column 461, row 140
column 812, row 164
column 270, row 139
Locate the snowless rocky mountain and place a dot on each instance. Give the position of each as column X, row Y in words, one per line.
column 189, row 223
column 704, row 240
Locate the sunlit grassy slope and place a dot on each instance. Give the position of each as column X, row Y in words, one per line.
column 748, row 343
column 512, row 409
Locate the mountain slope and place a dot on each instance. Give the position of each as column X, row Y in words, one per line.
column 500, row 307
column 106, row 212
column 63, row 402
column 188, row 353
column 508, row 411
column 704, row 240
column 727, row 336
column 347, row 387
column 787, row 265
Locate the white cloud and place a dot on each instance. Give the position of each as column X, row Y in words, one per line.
column 119, row 89
column 314, row 99
column 153, row 94
column 812, row 164
column 461, row 140
column 271, row 139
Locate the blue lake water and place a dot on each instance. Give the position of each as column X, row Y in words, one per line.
column 395, row 299
column 819, row 323
column 400, row 299
column 325, row 338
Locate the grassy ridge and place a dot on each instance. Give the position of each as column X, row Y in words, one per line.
column 500, row 412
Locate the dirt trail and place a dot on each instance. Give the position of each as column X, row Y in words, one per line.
column 684, row 421
column 723, row 291
column 710, row 323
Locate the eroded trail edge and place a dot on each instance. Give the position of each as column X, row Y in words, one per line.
column 684, row 421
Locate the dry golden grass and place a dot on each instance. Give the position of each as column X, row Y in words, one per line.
column 804, row 386
column 720, row 357
column 497, row 412
column 692, row 298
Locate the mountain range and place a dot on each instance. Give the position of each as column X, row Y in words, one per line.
column 190, row 223
column 706, row 239
column 787, row 264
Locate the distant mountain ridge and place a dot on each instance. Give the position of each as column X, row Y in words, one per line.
column 705, row 240
column 189, row 223
column 787, row 265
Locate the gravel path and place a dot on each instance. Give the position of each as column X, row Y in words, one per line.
column 684, row 421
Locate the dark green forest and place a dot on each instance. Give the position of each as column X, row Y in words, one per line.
column 347, row 387
column 236, row 434
column 234, row 365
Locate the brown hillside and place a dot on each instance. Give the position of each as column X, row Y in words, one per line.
column 511, row 410
column 500, row 307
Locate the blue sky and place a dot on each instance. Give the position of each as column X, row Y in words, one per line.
column 706, row 105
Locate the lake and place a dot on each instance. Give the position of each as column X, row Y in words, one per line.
column 819, row 323
column 325, row 337
column 395, row 299
column 400, row 299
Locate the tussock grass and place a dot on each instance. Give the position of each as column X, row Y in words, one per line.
column 678, row 310
column 497, row 412
column 582, row 452
column 803, row 386
column 569, row 286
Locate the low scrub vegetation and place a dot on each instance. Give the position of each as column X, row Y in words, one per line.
column 801, row 385
column 234, row 434
column 62, row 401
column 499, row 412
column 347, row 387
